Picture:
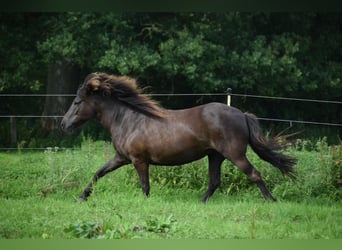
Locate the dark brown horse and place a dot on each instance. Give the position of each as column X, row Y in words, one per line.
column 143, row 133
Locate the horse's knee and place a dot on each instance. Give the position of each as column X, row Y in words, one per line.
column 255, row 175
column 246, row 167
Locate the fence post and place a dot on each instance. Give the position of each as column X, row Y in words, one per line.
column 229, row 92
column 13, row 124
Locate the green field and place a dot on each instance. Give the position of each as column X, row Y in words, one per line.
column 39, row 189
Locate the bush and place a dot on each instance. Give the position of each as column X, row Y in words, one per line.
column 319, row 170
column 319, row 173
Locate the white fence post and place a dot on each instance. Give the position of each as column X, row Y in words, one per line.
column 229, row 92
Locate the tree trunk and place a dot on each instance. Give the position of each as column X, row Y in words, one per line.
column 63, row 78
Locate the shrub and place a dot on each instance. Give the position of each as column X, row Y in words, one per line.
column 319, row 173
column 319, row 170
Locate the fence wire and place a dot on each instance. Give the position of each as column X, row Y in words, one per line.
column 189, row 94
column 290, row 121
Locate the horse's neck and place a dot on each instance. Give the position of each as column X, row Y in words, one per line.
column 116, row 116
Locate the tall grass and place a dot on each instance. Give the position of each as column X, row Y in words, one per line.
column 319, row 171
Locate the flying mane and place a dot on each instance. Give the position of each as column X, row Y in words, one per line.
column 124, row 89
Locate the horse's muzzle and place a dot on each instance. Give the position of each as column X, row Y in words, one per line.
column 65, row 127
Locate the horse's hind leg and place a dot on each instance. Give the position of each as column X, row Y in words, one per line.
column 246, row 167
column 110, row 166
column 215, row 161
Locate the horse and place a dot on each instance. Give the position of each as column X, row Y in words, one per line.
column 145, row 133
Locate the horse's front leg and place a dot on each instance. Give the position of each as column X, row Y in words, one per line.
column 215, row 161
column 143, row 172
column 110, row 166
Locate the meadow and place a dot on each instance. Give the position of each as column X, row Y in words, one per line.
column 39, row 191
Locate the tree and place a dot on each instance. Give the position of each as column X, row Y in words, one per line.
column 69, row 48
column 20, row 63
column 63, row 78
column 280, row 54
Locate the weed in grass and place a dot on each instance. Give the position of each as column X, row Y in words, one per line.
column 160, row 225
column 252, row 227
column 97, row 230
column 63, row 174
column 85, row 230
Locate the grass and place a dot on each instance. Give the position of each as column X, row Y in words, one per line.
column 38, row 192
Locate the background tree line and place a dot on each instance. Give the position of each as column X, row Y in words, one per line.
column 276, row 54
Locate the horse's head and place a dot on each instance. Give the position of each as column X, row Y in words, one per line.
column 98, row 94
column 83, row 107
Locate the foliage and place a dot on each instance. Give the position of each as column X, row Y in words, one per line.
column 271, row 67
column 193, row 58
column 20, row 62
column 245, row 49
column 128, row 59
column 280, row 54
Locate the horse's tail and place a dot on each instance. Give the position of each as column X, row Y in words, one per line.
column 267, row 149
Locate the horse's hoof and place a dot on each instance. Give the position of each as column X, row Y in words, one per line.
column 81, row 200
column 272, row 199
column 204, row 200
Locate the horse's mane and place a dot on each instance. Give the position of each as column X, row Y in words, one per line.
column 126, row 90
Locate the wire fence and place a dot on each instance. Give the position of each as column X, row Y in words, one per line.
column 191, row 94
column 188, row 94
column 289, row 121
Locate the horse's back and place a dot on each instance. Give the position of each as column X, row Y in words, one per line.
column 215, row 125
column 210, row 118
column 227, row 122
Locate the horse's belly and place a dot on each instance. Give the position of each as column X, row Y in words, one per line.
column 171, row 158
